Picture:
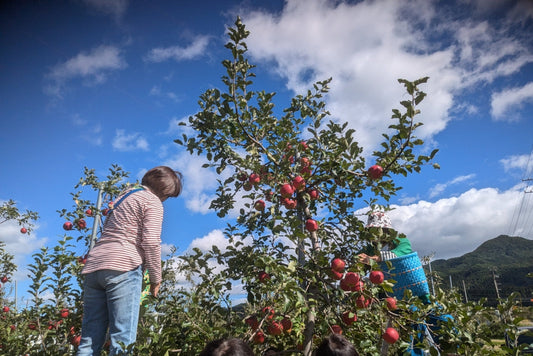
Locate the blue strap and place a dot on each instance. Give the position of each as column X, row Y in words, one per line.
column 124, row 197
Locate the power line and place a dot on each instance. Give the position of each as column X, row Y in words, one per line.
column 520, row 221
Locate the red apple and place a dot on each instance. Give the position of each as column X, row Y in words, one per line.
column 377, row 277
column 105, row 212
column 311, row 225
column 247, row 186
column 287, row 324
column 5, row 309
column 362, row 302
column 252, row 322
column 275, row 328
column 89, row 212
column 352, row 278
column 67, row 226
column 304, row 145
column 390, row 335
column 23, row 230
column 375, row 172
column 298, row 183
column 313, row 194
column 81, row 224
column 4, row 279
column 32, row 326
column 289, row 203
column 391, row 303
column 306, row 171
column 259, row 205
column 242, row 176
column 12, row 327
column 338, row 265
column 305, row 162
column 63, row 312
column 263, row 276
column 54, row 324
column 349, row 317
column 345, row 286
column 254, row 178
column 336, row 329
column 358, row 287
column 269, row 312
column 268, row 195
column 259, row 337
column 286, row 190
column 336, row 275
column 76, row 340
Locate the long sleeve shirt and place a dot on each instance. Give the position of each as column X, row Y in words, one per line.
column 131, row 236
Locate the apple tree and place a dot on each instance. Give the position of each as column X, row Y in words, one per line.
column 295, row 178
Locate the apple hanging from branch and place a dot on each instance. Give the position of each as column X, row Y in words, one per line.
column 375, row 172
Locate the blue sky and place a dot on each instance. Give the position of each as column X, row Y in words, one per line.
column 91, row 83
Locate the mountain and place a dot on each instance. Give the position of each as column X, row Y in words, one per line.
column 505, row 259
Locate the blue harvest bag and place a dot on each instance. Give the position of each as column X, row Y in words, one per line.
column 408, row 273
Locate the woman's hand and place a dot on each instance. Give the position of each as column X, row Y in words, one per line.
column 154, row 289
column 364, row 258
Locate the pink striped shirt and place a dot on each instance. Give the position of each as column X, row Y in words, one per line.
column 131, row 237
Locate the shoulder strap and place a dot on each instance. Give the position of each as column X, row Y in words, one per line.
column 124, row 197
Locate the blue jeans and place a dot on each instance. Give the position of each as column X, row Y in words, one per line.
column 111, row 300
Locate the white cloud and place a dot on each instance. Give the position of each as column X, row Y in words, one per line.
column 454, row 226
column 196, row 181
column 92, row 66
column 116, row 8
column 175, row 128
column 156, row 91
column 519, row 162
column 367, row 46
column 503, row 103
column 129, row 142
column 21, row 246
column 89, row 131
column 196, row 49
column 317, row 39
column 205, row 243
column 441, row 187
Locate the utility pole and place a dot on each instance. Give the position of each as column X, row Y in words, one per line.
column 451, row 284
column 464, row 289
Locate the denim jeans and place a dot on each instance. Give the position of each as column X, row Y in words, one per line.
column 111, row 300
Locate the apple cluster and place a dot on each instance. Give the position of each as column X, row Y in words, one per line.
column 269, row 322
column 352, row 282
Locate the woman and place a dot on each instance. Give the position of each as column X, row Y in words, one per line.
column 130, row 243
column 399, row 246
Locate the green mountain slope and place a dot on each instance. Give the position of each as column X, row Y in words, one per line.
column 511, row 259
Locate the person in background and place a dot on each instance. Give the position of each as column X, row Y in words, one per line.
column 336, row 345
column 399, row 246
column 129, row 244
column 227, row 347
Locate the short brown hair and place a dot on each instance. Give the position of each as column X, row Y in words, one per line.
column 336, row 345
column 163, row 181
column 229, row 347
